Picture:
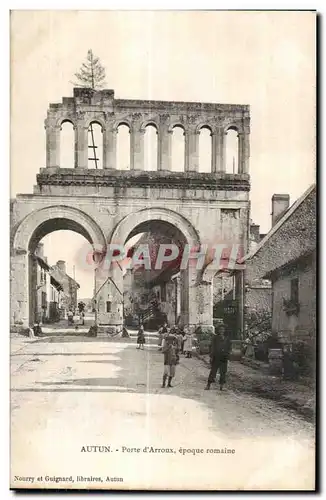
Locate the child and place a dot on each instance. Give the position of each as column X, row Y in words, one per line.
column 170, row 351
column 141, row 338
column 188, row 344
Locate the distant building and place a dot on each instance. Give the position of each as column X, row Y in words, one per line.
column 287, row 257
column 69, row 286
column 46, row 292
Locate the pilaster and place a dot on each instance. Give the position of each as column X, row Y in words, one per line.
column 81, row 146
column 136, row 148
column 110, row 148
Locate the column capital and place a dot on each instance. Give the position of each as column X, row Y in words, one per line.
column 50, row 125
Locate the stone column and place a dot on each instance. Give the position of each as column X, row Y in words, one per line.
column 222, row 157
column 19, row 289
column 81, row 146
column 137, row 148
column 52, row 145
column 110, row 148
column 218, row 164
column 240, row 153
column 196, row 301
column 244, row 153
column 165, row 149
column 191, row 150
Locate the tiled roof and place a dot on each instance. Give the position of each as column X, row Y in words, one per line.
column 279, row 224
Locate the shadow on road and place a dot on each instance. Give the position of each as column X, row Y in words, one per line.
column 140, row 372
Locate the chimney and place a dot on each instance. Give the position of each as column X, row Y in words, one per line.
column 254, row 232
column 62, row 265
column 280, row 204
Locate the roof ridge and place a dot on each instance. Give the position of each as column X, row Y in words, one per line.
column 279, row 223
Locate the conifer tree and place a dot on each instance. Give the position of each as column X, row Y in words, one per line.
column 91, row 74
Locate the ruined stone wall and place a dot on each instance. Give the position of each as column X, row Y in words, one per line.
column 101, row 107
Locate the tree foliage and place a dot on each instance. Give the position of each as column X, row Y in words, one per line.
column 81, row 306
column 91, row 74
column 258, row 324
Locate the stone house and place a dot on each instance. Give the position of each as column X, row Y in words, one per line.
column 69, row 286
column 287, row 257
column 45, row 290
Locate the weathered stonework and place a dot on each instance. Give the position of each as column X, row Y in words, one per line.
column 109, row 206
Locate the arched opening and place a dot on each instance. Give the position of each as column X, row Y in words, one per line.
column 205, row 149
column 178, row 149
column 151, row 276
column 150, row 148
column 231, row 151
column 67, row 145
column 61, row 275
column 95, row 146
column 123, row 147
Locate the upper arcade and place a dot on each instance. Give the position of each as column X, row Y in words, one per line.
column 88, row 107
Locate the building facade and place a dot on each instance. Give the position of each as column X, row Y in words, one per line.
column 46, row 291
column 69, row 286
column 287, row 257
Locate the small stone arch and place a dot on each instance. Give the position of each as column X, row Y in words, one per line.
column 122, row 121
column 128, row 223
column 29, row 225
column 206, row 126
column 65, row 119
column 149, row 123
column 97, row 121
column 177, row 124
column 232, row 126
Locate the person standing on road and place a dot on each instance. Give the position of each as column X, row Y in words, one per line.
column 220, row 354
column 170, row 351
column 188, row 344
column 141, row 338
column 70, row 317
column 37, row 330
column 180, row 340
column 163, row 330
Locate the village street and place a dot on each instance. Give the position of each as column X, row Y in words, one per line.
column 72, row 392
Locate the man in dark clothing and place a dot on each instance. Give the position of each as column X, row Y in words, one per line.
column 219, row 354
column 37, row 330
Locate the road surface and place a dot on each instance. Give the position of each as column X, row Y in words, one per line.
column 84, row 411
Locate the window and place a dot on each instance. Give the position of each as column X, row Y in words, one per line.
column 108, row 306
column 295, row 291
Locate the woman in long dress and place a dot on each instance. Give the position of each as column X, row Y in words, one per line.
column 188, row 344
column 141, row 338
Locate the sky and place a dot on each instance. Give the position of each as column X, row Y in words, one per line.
column 264, row 59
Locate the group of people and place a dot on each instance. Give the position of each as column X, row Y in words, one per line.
column 175, row 341
column 184, row 339
column 74, row 317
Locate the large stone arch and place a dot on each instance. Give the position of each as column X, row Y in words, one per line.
column 190, row 285
column 128, row 223
column 31, row 229
column 35, row 219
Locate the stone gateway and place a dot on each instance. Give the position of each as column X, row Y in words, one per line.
column 109, row 206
